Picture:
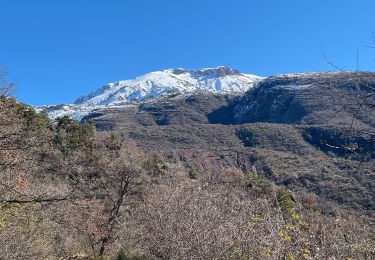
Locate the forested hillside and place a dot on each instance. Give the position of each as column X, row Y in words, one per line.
column 70, row 192
column 187, row 130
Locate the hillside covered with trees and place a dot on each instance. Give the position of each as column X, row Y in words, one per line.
column 69, row 191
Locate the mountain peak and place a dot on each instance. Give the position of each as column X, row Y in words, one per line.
column 172, row 81
column 158, row 84
column 220, row 71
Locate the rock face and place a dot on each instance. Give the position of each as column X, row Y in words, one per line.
column 302, row 99
column 310, row 98
column 201, row 108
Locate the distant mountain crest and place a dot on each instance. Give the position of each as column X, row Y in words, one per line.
column 218, row 72
column 159, row 84
column 167, row 82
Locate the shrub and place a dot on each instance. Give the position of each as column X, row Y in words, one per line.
column 259, row 184
column 114, row 142
column 285, row 201
column 157, row 164
column 247, row 136
column 129, row 254
column 121, row 255
column 193, row 174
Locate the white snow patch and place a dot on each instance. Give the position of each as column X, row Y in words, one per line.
column 292, row 86
column 154, row 85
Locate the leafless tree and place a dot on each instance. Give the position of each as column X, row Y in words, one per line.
column 360, row 106
column 6, row 88
column 118, row 179
column 221, row 221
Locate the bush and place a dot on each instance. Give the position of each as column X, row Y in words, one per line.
column 193, row 174
column 247, row 136
column 285, row 201
column 259, row 184
column 129, row 254
column 157, row 164
column 114, row 142
column 121, row 255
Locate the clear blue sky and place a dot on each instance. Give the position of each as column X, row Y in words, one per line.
column 57, row 50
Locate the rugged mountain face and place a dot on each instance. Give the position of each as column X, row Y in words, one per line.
column 203, row 108
column 310, row 98
column 208, row 95
column 171, row 83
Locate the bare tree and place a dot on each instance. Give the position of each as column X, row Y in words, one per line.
column 119, row 177
column 359, row 105
column 6, row 88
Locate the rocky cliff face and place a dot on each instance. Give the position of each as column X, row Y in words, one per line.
column 203, row 108
column 310, row 98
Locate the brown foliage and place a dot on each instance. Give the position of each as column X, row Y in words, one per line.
column 94, row 198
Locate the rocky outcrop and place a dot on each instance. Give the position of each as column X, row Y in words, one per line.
column 310, row 98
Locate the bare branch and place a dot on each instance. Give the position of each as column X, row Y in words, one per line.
column 6, row 88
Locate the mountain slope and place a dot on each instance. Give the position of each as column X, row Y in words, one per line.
column 294, row 128
column 155, row 85
column 309, row 98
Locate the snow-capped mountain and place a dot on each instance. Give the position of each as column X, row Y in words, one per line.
column 159, row 84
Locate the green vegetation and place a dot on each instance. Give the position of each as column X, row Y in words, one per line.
column 247, row 136
column 129, row 254
column 33, row 121
column 258, row 183
column 72, row 135
column 285, row 201
column 193, row 174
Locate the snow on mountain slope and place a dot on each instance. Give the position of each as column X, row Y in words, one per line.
column 167, row 83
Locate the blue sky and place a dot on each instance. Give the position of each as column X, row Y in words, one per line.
column 58, row 50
